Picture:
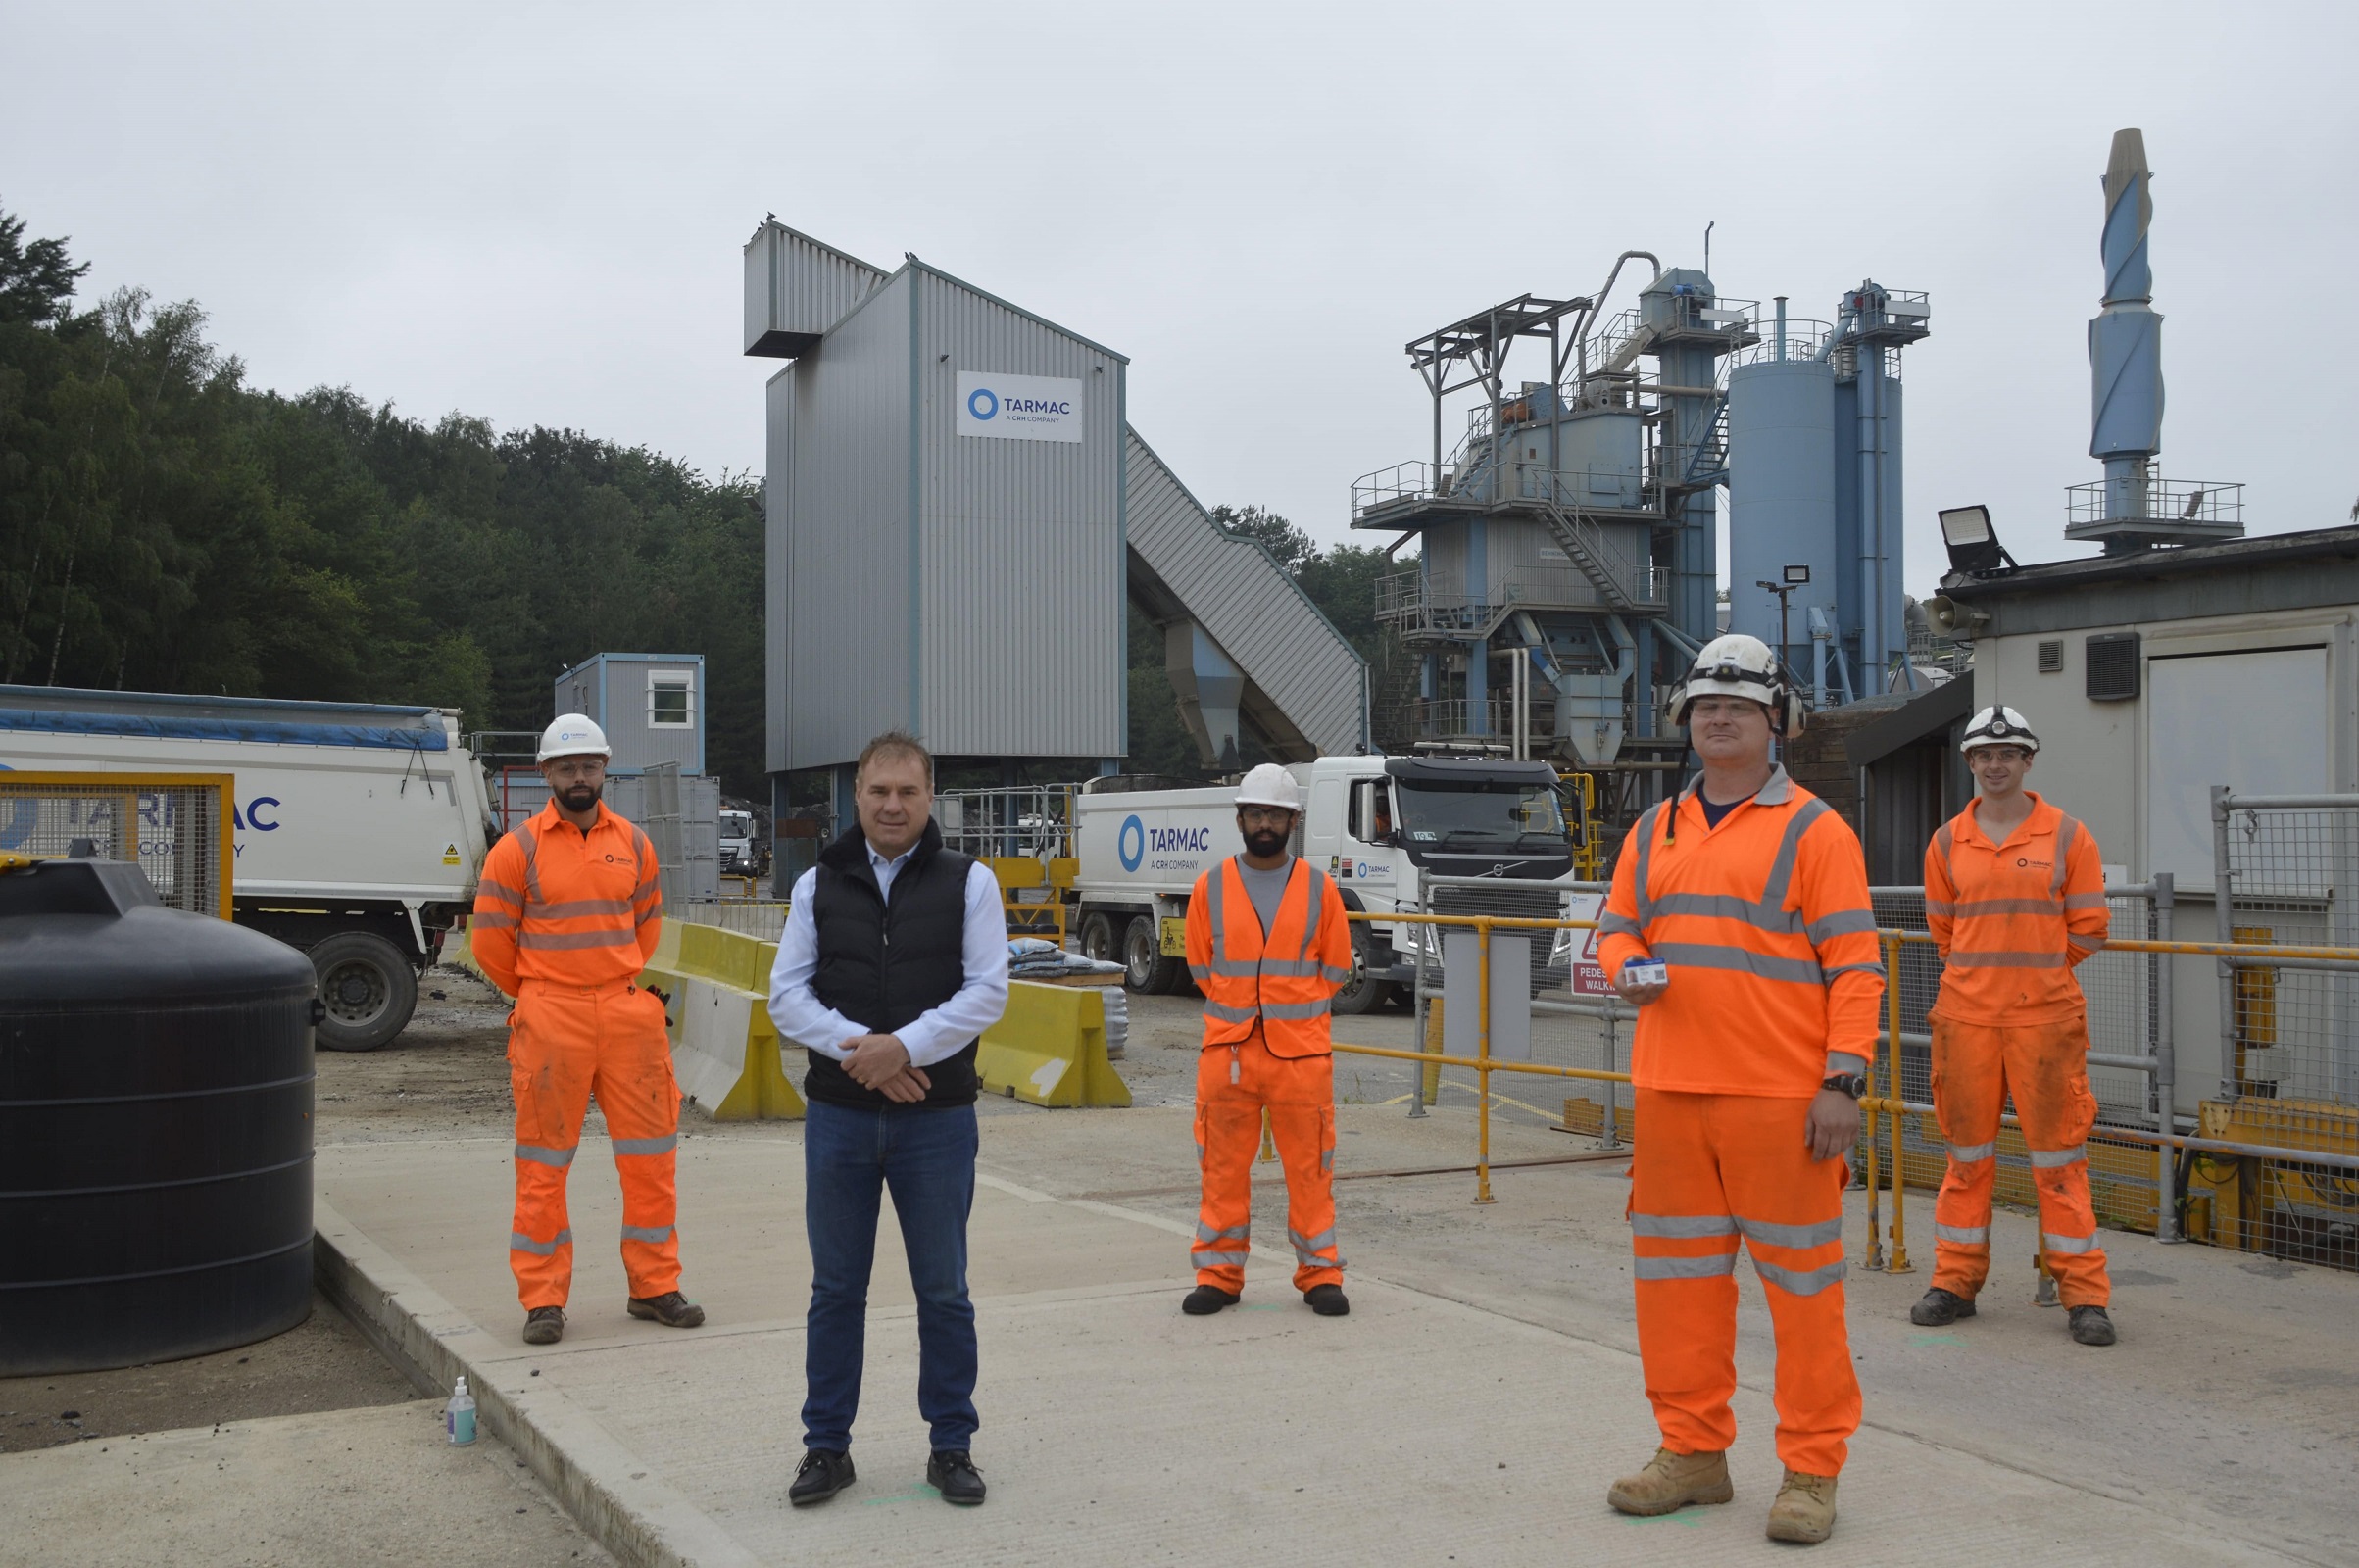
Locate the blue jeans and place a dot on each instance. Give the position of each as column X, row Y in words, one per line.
column 926, row 1154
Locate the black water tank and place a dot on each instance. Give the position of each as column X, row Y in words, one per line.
column 155, row 1125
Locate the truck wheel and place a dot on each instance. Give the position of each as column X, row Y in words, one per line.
column 1359, row 994
column 366, row 988
column 1098, row 938
column 1144, row 964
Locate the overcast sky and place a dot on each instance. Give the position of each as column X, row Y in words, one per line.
column 535, row 213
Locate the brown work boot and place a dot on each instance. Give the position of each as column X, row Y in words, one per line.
column 1804, row 1511
column 1672, row 1481
column 544, row 1325
column 671, row 1309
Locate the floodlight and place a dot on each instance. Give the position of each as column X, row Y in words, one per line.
column 1974, row 547
column 1797, row 576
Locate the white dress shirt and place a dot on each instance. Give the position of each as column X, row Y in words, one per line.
column 943, row 1032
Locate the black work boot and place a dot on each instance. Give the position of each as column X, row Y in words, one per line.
column 1940, row 1307
column 671, row 1309
column 953, row 1474
column 2091, row 1325
column 821, row 1476
column 1328, row 1301
column 544, row 1325
column 1206, row 1299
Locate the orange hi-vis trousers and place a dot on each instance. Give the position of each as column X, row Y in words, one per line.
column 565, row 1043
column 1708, row 1170
column 2045, row 1066
column 1299, row 1092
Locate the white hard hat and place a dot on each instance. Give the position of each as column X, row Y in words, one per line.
column 573, row 735
column 1737, row 666
column 1999, row 726
column 1271, row 785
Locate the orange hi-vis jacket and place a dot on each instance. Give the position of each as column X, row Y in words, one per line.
column 1280, row 986
column 564, row 907
column 2011, row 919
column 1777, row 977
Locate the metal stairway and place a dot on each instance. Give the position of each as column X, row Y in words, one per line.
column 1586, row 546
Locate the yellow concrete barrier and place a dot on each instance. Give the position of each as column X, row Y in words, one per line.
column 725, row 1051
column 1050, row 1049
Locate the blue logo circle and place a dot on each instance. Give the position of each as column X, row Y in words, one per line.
column 984, row 404
column 1131, row 843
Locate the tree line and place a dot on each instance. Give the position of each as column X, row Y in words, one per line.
column 165, row 526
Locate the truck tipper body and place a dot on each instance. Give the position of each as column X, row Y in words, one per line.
column 359, row 829
column 1379, row 825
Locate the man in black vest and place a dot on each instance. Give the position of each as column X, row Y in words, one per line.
column 893, row 962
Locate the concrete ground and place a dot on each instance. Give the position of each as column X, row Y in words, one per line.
column 1473, row 1408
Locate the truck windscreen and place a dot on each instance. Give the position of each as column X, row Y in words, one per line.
column 1504, row 815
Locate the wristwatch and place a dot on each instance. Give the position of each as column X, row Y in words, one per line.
column 1846, row 1083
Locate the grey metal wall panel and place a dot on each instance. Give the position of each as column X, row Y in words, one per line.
column 639, row 745
column 778, row 470
column 1286, row 648
column 1023, row 635
column 797, row 290
column 847, row 535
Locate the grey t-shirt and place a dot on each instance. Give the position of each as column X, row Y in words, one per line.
column 1265, row 889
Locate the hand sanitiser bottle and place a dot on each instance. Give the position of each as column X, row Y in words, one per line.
column 459, row 1416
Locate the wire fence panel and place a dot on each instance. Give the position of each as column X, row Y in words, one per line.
column 2287, row 871
column 759, row 918
column 175, row 827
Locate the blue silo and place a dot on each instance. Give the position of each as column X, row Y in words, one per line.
column 1782, row 507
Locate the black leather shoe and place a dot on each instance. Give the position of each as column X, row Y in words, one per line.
column 1206, row 1299
column 1328, row 1301
column 1939, row 1307
column 819, row 1476
column 544, row 1325
column 671, row 1309
column 953, row 1474
column 2091, row 1325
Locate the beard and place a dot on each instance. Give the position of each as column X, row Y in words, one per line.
column 578, row 797
column 1264, row 842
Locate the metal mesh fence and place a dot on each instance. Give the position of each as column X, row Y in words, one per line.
column 175, row 827
column 2286, row 871
column 759, row 918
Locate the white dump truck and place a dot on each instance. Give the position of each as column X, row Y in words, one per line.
column 359, row 830
column 1377, row 824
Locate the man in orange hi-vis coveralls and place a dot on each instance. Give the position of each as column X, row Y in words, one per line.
column 566, row 914
column 1268, row 945
column 2015, row 898
column 1740, row 924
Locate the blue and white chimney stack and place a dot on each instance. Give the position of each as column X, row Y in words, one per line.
column 2133, row 507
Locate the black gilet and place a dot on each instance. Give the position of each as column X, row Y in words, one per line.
column 885, row 965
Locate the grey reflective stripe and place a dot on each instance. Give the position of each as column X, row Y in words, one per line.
column 532, row 857
column 2008, row 960
column 1703, row 955
column 1228, row 1014
column 1233, row 968
column 1293, row 1009
column 1974, row 908
column 1316, row 887
column 1723, row 906
column 1767, row 1234
column 1781, row 871
column 1940, row 907
column 1334, row 976
column 1840, row 923
column 1962, row 1234
column 1969, row 1153
column 647, row 1233
column 1684, row 1268
column 575, row 908
column 1311, row 1244
column 2051, row 1158
column 1290, row 968
column 2067, row 1244
column 498, row 890
column 1235, row 1233
column 2085, row 901
column 647, row 1146
column 1777, row 792
column 1682, row 1226
column 1199, row 972
column 1615, row 925
column 518, row 1242
column 1941, row 840
column 2065, row 830
column 495, row 921
column 1799, row 1281
column 1876, row 968
column 1845, row 1061
column 1326, row 1160
column 538, row 1156
column 612, row 937
column 1214, row 894
column 1639, row 876
column 1200, row 1257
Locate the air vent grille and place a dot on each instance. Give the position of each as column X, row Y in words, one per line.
column 2051, row 656
column 2112, row 667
